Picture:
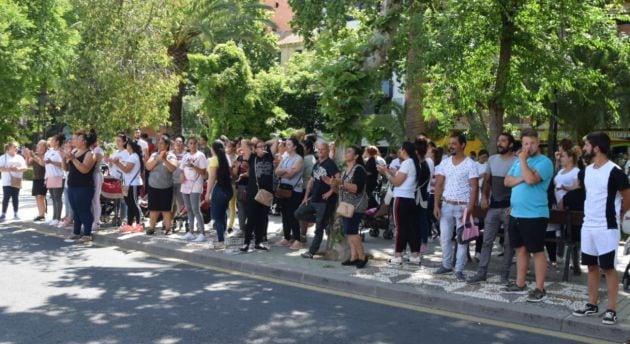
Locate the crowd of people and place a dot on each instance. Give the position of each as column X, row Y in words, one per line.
column 429, row 189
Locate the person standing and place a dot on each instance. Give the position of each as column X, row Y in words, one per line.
column 178, row 199
column 240, row 171
column 162, row 164
column 495, row 198
column 132, row 169
column 193, row 166
column 529, row 179
column 290, row 171
column 606, row 186
column 320, row 198
column 12, row 166
column 456, row 191
column 307, row 172
column 352, row 189
column 405, row 209
column 98, row 185
column 80, row 164
column 37, row 161
column 219, row 191
column 55, row 175
column 260, row 174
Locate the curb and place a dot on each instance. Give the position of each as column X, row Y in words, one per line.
column 523, row 314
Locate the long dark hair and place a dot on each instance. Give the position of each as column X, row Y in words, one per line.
column 136, row 149
column 359, row 153
column 410, row 149
column 223, row 172
column 299, row 149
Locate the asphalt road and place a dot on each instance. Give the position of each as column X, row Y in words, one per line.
column 54, row 292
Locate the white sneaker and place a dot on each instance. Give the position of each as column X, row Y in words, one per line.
column 414, row 260
column 237, row 233
column 210, row 245
column 396, row 261
column 188, row 236
column 200, row 238
column 219, row 245
column 54, row 223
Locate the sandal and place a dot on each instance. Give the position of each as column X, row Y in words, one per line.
column 151, row 231
column 167, row 231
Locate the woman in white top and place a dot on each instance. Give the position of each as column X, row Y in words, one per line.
column 132, row 180
column 193, row 166
column 98, row 184
column 12, row 166
column 405, row 210
column 565, row 180
column 55, row 175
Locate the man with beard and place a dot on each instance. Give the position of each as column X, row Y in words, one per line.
column 606, row 185
column 495, row 198
column 529, row 179
column 456, row 191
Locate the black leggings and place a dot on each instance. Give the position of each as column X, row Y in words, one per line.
column 257, row 221
column 133, row 208
column 57, row 199
column 407, row 227
column 10, row 193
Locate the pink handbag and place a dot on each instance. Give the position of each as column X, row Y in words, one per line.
column 468, row 230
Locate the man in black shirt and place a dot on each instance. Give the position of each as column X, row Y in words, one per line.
column 320, row 198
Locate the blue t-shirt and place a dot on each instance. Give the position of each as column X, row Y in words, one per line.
column 530, row 201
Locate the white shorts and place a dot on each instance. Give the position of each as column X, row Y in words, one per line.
column 597, row 242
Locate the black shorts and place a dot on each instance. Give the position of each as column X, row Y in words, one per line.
column 39, row 187
column 605, row 261
column 160, row 199
column 528, row 232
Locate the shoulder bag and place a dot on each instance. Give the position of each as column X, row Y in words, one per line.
column 263, row 196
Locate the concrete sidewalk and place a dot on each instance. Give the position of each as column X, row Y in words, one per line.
column 411, row 285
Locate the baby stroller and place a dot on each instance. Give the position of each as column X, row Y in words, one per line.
column 180, row 218
column 378, row 218
column 111, row 196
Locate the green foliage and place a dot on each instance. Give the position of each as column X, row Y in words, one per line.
column 226, row 85
column 121, row 77
column 36, row 46
column 343, row 84
column 300, row 98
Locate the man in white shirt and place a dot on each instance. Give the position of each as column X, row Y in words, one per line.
column 144, row 145
column 606, row 185
column 456, row 191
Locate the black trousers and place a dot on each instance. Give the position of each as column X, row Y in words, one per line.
column 257, row 221
column 407, row 227
column 290, row 224
column 10, row 193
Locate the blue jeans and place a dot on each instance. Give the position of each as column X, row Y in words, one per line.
column 220, row 201
column 81, row 203
column 450, row 219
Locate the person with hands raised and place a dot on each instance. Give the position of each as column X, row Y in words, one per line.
column 80, row 164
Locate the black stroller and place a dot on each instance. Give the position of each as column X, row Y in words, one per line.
column 379, row 217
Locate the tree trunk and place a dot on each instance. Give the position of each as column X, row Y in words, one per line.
column 179, row 53
column 414, row 119
column 496, row 105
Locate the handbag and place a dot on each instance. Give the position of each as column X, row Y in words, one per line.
column 54, row 182
column 16, row 182
column 345, row 209
column 468, row 230
column 284, row 191
column 263, row 196
column 125, row 188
